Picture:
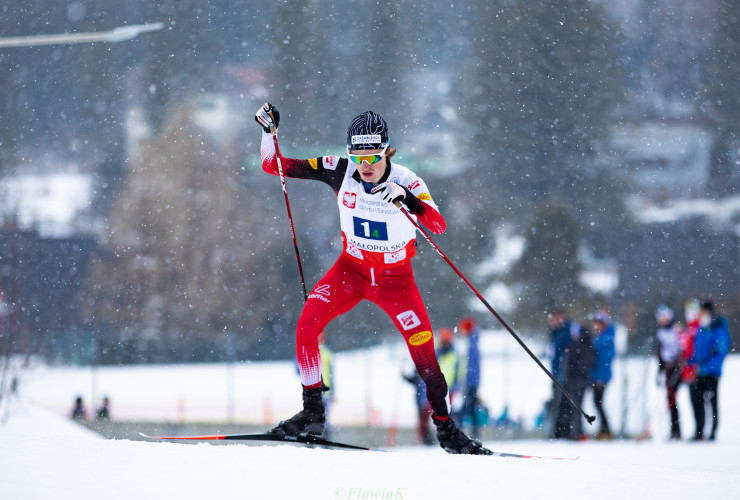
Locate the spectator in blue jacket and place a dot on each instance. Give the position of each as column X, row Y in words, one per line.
column 601, row 374
column 469, row 372
column 576, row 363
column 424, row 409
column 711, row 345
column 562, row 329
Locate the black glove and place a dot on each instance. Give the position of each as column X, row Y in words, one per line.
column 268, row 117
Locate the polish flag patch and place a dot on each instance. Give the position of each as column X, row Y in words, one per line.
column 349, row 200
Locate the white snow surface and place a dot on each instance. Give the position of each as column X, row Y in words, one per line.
column 47, row 456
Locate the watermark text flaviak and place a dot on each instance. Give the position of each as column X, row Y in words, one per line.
column 354, row 493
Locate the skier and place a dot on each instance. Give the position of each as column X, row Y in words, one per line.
column 669, row 361
column 378, row 242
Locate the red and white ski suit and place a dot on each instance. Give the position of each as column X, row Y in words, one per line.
column 378, row 242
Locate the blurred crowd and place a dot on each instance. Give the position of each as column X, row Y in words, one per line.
column 691, row 353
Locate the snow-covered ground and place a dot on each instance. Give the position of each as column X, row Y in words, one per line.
column 47, row 456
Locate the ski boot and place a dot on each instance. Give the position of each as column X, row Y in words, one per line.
column 310, row 420
column 453, row 440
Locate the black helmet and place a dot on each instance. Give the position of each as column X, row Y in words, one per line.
column 367, row 131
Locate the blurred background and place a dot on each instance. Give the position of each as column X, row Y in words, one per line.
column 584, row 153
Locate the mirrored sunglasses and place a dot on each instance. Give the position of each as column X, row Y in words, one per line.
column 371, row 159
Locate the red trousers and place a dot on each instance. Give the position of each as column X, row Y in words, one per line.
column 394, row 291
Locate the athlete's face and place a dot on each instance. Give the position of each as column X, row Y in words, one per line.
column 370, row 172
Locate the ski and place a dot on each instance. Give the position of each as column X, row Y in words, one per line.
column 317, row 441
column 307, row 439
column 517, row 455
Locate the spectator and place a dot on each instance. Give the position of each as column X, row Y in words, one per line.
column 78, row 410
column 601, row 374
column 578, row 358
column 448, row 359
column 103, row 413
column 423, row 408
column 711, row 345
column 692, row 307
column 562, row 329
column 669, row 361
column 327, row 375
column 469, row 372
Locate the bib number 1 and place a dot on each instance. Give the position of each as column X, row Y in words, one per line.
column 370, row 229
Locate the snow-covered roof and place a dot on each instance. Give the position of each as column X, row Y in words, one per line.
column 48, row 202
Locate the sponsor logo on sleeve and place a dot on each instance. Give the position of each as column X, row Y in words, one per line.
column 414, row 185
column 424, row 197
column 330, row 162
column 314, row 162
column 408, row 320
column 420, row 338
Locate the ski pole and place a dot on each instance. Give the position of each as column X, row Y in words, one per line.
column 589, row 418
column 273, row 131
column 672, row 380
